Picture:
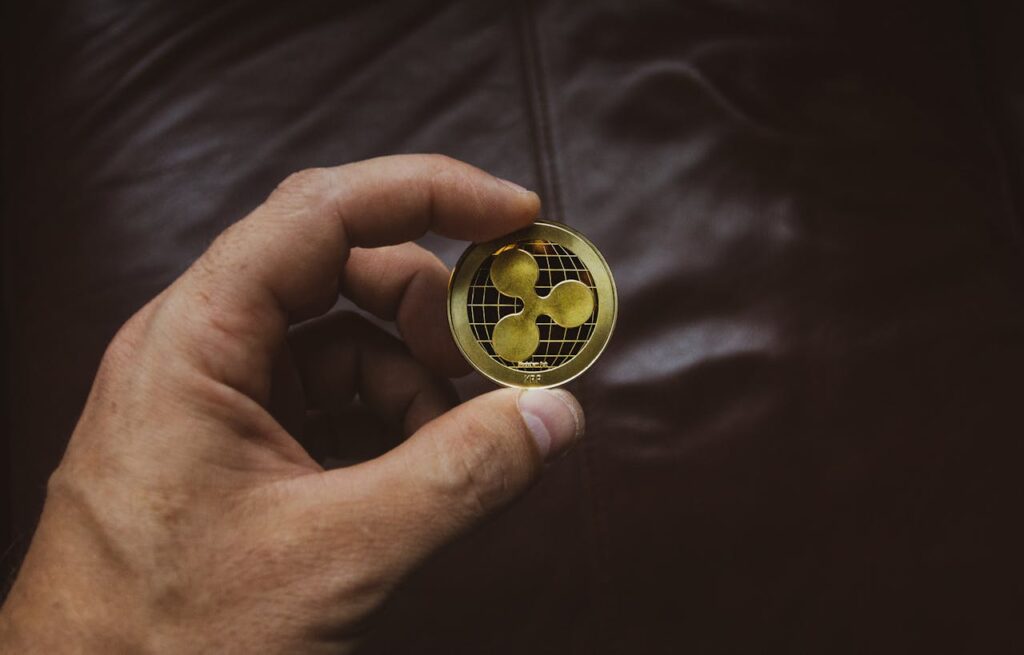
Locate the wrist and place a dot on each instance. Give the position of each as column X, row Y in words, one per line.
column 20, row 631
column 39, row 620
column 57, row 605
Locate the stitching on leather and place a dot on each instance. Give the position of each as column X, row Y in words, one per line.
column 592, row 501
column 539, row 111
column 998, row 126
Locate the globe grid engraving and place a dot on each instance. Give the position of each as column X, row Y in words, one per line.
column 558, row 345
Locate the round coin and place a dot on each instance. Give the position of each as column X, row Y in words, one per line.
column 534, row 308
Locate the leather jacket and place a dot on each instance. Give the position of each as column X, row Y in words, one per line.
column 806, row 433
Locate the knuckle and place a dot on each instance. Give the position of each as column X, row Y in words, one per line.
column 58, row 483
column 446, row 172
column 482, row 469
column 304, row 183
column 444, row 168
column 73, row 483
column 441, row 161
column 127, row 343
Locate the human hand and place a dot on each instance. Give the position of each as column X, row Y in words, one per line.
column 185, row 517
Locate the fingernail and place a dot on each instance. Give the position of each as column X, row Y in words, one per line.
column 512, row 185
column 554, row 418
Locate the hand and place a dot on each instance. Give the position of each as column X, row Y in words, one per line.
column 185, row 518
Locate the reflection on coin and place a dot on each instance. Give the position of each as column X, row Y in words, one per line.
column 534, row 308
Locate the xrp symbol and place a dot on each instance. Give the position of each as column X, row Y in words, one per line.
column 570, row 303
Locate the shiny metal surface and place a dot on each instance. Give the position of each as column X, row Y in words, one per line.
column 532, row 309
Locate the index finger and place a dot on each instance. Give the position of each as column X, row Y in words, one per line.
column 283, row 261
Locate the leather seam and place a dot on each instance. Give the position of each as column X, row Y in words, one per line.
column 539, row 114
column 996, row 127
column 592, row 502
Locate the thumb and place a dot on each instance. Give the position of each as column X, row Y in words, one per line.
column 463, row 466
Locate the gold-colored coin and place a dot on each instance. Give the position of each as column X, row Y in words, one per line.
column 534, row 308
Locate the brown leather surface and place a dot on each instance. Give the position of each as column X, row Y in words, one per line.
column 805, row 435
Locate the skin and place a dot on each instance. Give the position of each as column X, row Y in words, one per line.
column 185, row 515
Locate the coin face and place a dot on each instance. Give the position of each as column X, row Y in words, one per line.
column 534, row 308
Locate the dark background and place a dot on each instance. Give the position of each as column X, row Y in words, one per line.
column 806, row 434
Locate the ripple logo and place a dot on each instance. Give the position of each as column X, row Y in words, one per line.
column 570, row 303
